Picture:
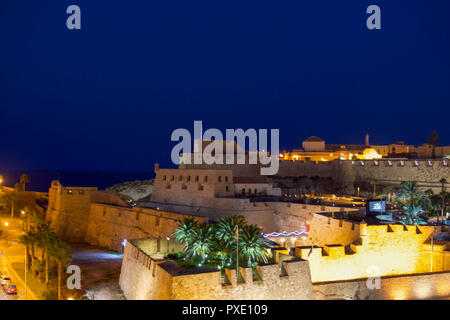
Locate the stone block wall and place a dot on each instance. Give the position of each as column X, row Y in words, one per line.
column 142, row 277
column 388, row 249
column 411, row 287
column 108, row 225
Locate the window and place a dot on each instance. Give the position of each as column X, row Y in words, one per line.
column 227, row 188
column 180, row 178
column 172, row 178
column 205, row 179
column 183, row 187
column 188, row 178
column 196, row 178
column 200, row 187
column 219, row 178
column 81, row 191
column 168, row 186
column 69, row 191
column 226, row 178
column 164, row 178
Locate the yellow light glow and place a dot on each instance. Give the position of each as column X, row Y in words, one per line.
column 399, row 295
column 369, row 154
column 6, row 223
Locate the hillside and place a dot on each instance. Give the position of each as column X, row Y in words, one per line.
column 135, row 189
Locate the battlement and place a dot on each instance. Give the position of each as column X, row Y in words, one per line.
column 393, row 249
column 167, row 279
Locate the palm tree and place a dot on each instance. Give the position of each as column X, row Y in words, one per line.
column 185, row 232
column 411, row 193
column 374, row 183
column 11, row 197
column 413, row 212
column 33, row 216
column 45, row 238
column 225, row 242
column 26, row 240
column 444, row 197
column 443, row 182
column 253, row 247
column 226, row 228
column 59, row 251
column 24, row 179
column 202, row 241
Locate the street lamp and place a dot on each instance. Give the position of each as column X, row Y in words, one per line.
column 6, row 223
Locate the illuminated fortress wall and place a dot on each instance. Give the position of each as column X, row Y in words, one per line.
column 324, row 229
column 145, row 278
column 83, row 214
column 388, row 249
column 108, row 225
column 345, row 173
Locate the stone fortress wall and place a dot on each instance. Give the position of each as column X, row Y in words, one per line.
column 348, row 172
column 391, row 250
column 145, row 278
column 82, row 214
column 213, row 200
column 108, row 225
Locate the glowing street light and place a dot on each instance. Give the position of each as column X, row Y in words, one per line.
column 6, row 223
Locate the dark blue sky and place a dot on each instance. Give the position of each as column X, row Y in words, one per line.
column 107, row 97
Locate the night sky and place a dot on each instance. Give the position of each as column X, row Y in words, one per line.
column 108, row 96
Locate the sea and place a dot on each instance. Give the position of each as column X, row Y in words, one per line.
column 40, row 180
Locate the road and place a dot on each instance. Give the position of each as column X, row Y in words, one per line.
column 5, row 270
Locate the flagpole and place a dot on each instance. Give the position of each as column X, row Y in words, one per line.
column 237, row 254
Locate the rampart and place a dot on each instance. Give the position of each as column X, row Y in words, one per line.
column 109, row 226
column 383, row 250
column 83, row 214
column 348, row 172
column 145, row 278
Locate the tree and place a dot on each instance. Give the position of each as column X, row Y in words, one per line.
column 412, row 212
column 374, row 183
column 413, row 197
column 202, row 241
column 12, row 199
column 24, row 179
column 444, row 197
column 185, row 232
column 46, row 238
column 33, row 216
column 411, row 193
column 226, row 228
column 443, row 182
column 252, row 246
column 225, row 242
column 59, row 251
column 26, row 240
